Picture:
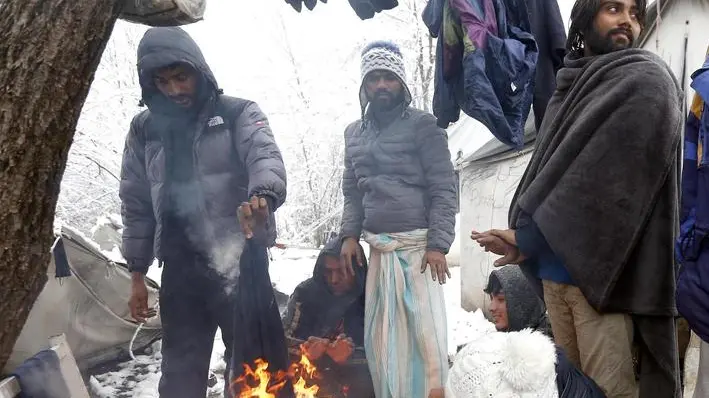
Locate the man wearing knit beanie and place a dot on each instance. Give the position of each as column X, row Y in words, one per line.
column 400, row 192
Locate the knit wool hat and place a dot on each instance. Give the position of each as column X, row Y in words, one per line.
column 382, row 55
column 505, row 365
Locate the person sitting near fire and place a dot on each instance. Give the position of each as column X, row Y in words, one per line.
column 324, row 320
column 515, row 307
column 513, row 303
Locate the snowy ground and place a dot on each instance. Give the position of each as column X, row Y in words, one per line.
column 289, row 267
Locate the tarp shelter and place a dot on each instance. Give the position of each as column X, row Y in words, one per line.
column 89, row 305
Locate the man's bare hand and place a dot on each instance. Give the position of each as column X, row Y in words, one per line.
column 508, row 235
column 138, row 302
column 500, row 242
column 252, row 215
column 315, row 347
column 491, row 243
column 341, row 349
column 350, row 248
column 439, row 266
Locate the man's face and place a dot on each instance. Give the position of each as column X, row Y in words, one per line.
column 339, row 280
column 498, row 310
column 383, row 89
column 615, row 27
column 178, row 83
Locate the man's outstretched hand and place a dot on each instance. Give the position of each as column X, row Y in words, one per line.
column 253, row 215
column 350, row 248
column 502, row 243
column 438, row 263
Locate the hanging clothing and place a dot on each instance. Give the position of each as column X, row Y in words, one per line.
column 693, row 282
column 365, row 9
column 405, row 329
column 309, row 4
column 257, row 318
column 484, row 66
column 543, row 19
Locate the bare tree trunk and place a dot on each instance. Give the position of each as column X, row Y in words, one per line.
column 49, row 51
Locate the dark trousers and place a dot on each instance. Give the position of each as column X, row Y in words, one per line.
column 194, row 301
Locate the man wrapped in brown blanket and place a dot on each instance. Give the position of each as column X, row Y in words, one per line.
column 594, row 218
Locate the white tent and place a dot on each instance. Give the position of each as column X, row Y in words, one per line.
column 489, row 177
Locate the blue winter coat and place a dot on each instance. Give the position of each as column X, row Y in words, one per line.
column 692, row 249
column 484, row 66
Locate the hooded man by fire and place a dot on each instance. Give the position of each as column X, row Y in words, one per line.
column 325, row 320
column 201, row 173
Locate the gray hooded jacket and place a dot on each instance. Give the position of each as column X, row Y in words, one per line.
column 524, row 308
column 399, row 177
column 234, row 152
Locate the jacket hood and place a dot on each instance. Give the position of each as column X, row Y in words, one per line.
column 165, row 46
column 518, row 364
column 524, row 308
column 332, row 248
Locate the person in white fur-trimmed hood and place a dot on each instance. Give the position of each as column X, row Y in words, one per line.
column 522, row 364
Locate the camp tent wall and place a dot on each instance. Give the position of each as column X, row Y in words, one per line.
column 488, row 180
column 489, row 177
column 666, row 36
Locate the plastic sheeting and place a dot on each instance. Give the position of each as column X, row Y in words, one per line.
column 90, row 307
column 163, row 12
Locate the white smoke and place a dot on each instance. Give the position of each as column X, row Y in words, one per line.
column 225, row 258
column 220, row 239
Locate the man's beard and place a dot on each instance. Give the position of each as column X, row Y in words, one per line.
column 600, row 45
column 383, row 100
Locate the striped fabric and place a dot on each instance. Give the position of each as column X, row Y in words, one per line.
column 405, row 318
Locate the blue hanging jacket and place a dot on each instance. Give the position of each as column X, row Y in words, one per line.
column 692, row 248
column 484, row 66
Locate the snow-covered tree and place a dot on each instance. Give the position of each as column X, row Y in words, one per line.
column 90, row 183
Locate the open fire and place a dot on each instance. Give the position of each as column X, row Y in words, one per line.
column 260, row 383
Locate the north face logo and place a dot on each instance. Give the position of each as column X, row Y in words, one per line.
column 215, row 121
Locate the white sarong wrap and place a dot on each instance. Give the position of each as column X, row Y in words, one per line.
column 405, row 330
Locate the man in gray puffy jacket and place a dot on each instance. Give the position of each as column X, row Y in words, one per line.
column 201, row 173
column 400, row 190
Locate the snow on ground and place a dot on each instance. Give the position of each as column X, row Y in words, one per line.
column 139, row 378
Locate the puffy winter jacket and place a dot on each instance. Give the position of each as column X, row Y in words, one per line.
column 234, row 152
column 571, row 382
column 399, row 177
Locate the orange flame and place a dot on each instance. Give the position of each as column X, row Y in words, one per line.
column 261, row 383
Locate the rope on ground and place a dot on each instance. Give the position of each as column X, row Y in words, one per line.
column 132, row 341
column 135, row 335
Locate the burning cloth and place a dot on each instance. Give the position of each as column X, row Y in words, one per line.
column 258, row 320
column 404, row 318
